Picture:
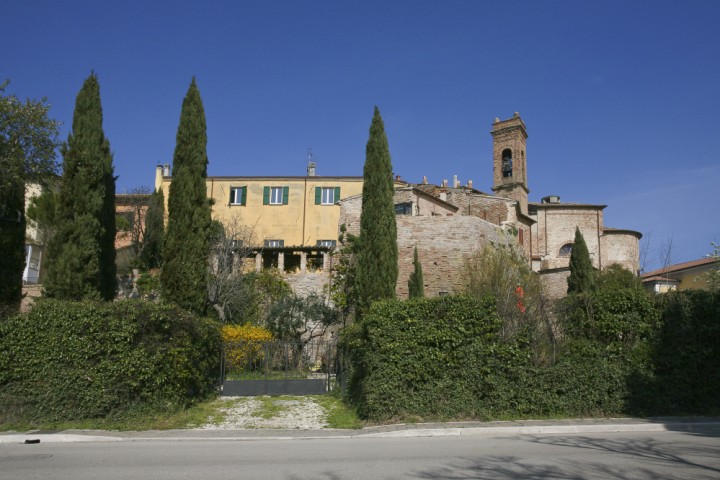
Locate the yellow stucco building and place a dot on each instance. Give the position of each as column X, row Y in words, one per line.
column 293, row 216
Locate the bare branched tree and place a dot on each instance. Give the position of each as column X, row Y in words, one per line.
column 666, row 254
column 132, row 206
column 231, row 245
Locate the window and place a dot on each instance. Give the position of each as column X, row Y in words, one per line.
column 507, row 164
column 238, row 243
column 238, row 195
column 566, row 250
column 275, row 243
column 403, row 208
column 275, row 195
column 327, row 195
column 326, row 243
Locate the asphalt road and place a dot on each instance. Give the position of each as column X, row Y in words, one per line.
column 631, row 455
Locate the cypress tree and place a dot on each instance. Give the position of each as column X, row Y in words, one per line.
column 377, row 260
column 582, row 276
column 185, row 251
column 12, row 233
column 151, row 255
column 81, row 254
column 415, row 283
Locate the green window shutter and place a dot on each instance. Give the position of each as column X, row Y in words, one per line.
column 286, row 191
column 266, row 195
column 243, row 197
column 318, row 195
column 337, row 194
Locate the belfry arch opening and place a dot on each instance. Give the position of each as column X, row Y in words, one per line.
column 507, row 163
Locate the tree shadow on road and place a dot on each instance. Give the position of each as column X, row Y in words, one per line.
column 649, row 459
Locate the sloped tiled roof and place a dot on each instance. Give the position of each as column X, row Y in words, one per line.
column 678, row 267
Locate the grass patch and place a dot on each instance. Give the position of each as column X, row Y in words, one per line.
column 166, row 417
column 339, row 414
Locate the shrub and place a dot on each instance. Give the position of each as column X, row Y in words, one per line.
column 244, row 343
column 66, row 360
column 623, row 315
column 686, row 355
column 423, row 357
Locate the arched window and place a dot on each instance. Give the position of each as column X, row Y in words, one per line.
column 507, row 166
column 566, row 250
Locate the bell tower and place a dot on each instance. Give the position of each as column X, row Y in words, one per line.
column 509, row 162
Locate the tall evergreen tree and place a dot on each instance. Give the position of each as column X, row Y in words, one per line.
column 416, row 287
column 377, row 259
column 151, row 255
column 81, row 253
column 27, row 155
column 582, row 276
column 187, row 246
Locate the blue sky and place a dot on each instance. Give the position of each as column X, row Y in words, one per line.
column 620, row 98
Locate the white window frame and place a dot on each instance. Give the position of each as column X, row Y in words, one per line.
column 327, row 243
column 236, row 195
column 276, row 196
column 274, row 243
column 327, row 196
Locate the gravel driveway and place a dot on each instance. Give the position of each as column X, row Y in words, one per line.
column 288, row 414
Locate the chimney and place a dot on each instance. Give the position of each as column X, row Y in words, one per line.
column 456, row 182
column 469, row 184
column 445, row 183
column 425, row 180
column 311, row 169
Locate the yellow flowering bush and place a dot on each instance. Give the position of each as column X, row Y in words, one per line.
column 244, row 344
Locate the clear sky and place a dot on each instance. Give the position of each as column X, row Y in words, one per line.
column 620, row 98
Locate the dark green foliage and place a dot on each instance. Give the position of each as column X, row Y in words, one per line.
column 623, row 316
column 685, row 356
column 81, row 253
column 74, row 360
column 12, row 244
column 151, row 255
column 377, row 259
column 27, row 155
column 581, row 269
column 416, row 285
column 423, row 357
column 615, row 277
column 187, row 244
column 445, row 358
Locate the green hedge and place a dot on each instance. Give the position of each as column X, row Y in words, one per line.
column 625, row 353
column 685, row 356
column 68, row 361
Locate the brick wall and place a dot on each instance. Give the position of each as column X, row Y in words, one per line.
column 621, row 248
column 443, row 243
column 555, row 282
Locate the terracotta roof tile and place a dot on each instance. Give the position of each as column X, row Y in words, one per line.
column 680, row 266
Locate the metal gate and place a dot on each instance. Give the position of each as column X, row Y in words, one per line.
column 279, row 367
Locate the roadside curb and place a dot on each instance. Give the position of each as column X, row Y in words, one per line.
column 529, row 427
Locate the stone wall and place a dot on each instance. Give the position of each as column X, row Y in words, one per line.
column 555, row 282
column 493, row 209
column 30, row 293
column 555, row 227
column 621, row 248
column 444, row 244
column 305, row 284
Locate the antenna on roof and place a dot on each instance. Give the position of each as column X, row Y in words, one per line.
column 311, row 163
